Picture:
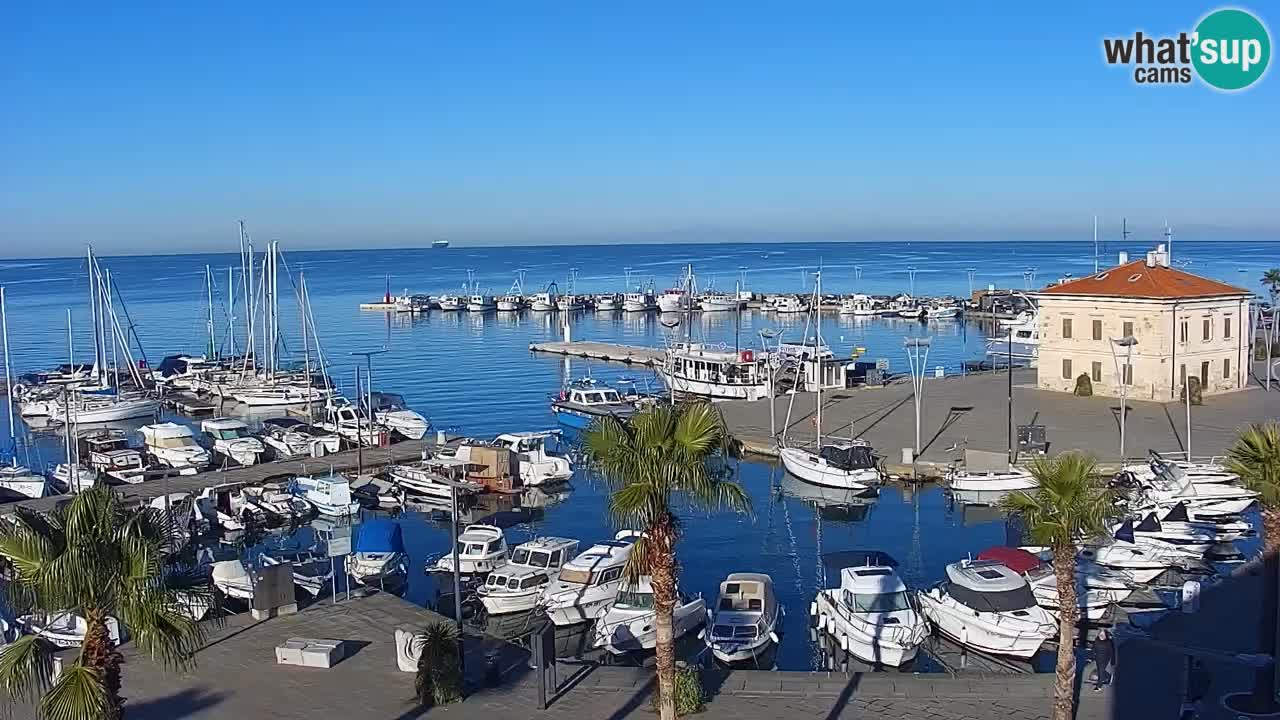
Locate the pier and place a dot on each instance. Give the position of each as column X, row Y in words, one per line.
column 610, row 352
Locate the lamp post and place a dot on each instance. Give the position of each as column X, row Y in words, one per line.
column 765, row 335
column 917, row 363
column 1127, row 342
column 368, row 383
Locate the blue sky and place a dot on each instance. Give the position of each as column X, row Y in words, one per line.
column 140, row 126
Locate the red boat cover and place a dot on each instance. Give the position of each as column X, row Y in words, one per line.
column 1019, row 561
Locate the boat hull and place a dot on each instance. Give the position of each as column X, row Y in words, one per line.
column 807, row 467
column 124, row 410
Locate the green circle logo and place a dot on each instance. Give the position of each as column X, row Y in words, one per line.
column 1232, row 49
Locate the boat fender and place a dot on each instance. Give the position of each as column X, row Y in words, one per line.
column 844, row 643
column 831, row 625
column 774, row 637
column 813, row 608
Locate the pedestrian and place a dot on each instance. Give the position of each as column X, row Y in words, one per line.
column 1104, row 654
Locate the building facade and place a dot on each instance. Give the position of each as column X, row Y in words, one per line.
column 1182, row 325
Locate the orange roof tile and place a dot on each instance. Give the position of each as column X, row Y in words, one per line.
column 1136, row 280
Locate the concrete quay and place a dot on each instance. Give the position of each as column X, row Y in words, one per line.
column 611, row 352
column 972, row 411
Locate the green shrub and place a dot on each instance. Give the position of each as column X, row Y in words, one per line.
column 690, row 697
column 439, row 678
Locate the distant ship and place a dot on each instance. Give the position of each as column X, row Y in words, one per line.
column 440, row 243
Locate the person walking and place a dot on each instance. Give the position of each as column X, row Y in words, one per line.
column 1104, row 654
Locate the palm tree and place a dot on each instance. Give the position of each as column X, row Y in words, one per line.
column 439, row 680
column 1271, row 278
column 98, row 560
column 663, row 454
column 1066, row 508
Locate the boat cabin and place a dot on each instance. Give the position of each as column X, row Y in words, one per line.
column 744, row 607
column 848, row 456
column 225, row 429
column 717, row 366
column 989, row 586
column 481, row 542
column 600, row 564
column 544, row 553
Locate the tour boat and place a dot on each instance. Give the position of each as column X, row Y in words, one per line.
column 716, row 372
column 292, row 438
column 378, row 553
column 481, row 303
column 451, row 303
column 872, row 615
column 437, row 478
column 641, row 301
column 742, row 625
column 844, row 465
column 537, row 465
column 629, row 624
column 390, row 411
column 175, row 446
column 481, row 549
column 586, row 401
column 988, row 607
column 66, row 629
column 589, row 582
column 231, row 439
column 330, row 494
column 517, row 586
column 608, row 302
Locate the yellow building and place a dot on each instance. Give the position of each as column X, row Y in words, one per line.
column 1182, row 325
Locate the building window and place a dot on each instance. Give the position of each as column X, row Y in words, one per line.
column 1096, row 371
column 1097, row 329
column 1208, row 329
column 1066, row 328
column 1128, row 329
column 1226, row 368
column 1182, row 332
column 1204, row 374
column 1226, row 328
column 1066, row 368
column 1182, row 375
column 1127, row 374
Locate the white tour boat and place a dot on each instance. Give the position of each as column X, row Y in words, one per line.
column 742, row 625
column 988, row 607
column 716, row 372
column 872, row 615
column 589, row 582
column 629, row 624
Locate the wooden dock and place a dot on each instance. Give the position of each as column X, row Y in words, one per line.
column 611, row 352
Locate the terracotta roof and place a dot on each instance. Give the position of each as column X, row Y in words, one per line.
column 1136, row 280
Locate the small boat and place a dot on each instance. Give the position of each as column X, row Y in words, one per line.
column 231, row 439
column 586, row 401
column 451, row 303
column 227, row 506
column 790, row 304
column 75, row 478
column 988, row 607
column 537, row 465
column 1172, row 485
column 437, row 478
column 175, row 446
column 390, row 411
column 608, row 302
column 628, row 625
column 351, row 423
column 589, row 582
column 481, row 549
column 844, row 465
column 233, row 579
column 481, row 303
column 66, row 629
column 872, row 615
column 1020, row 341
column 517, row 586
column 329, row 494
column 743, row 623
column 510, row 303
column 378, row 493
column 941, row 312
column 675, row 300
column 88, row 406
column 20, row 481
column 569, row 303
column 276, row 501
column 546, row 300
column 641, row 301
column 988, row 472
column 439, row 244
column 281, row 392
column 719, row 302
column 859, row 305
column 379, row 552
column 109, row 453
column 292, row 438
column 1094, row 593
column 312, row 572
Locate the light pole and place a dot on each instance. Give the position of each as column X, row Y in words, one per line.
column 368, row 383
column 765, row 335
column 1127, row 342
column 917, row 363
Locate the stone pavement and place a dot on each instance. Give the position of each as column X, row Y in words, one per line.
column 972, row 412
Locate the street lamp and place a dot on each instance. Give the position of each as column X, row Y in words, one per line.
column 917, row 363
column 1127, row 342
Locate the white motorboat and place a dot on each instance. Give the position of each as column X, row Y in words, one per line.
column 1094, row 593
column 872, row 615
column 988, row 607
column 391, row 411
column 1187, row 533
column 312, row 572
column 537, row 465
column 174, row 446
column 66, row 629
column 109, row 454
column 629, row 624
column 569, row 303
column 231, row 439
column 233, row 579
column 437, row 478
column 1179, row 520
column 517, row 586
column 844, row 465
column 292, row 438
column 1140, row 556
column 859, row 305
column 1020, row 341
column 585, row 401
column 378, row 553
column 546, row 300
column 21, row 481
column 941, row 312
column 790, row 304
column 642, row 301
column 74, row 478
column 1211, row 472
column 675, row 300
column 275, row 500
column 608, row 302
column 914, row 312
column 481, row 303
column 716, row 372
column 589, row 582
column 283, row 391
column 350, row 422
column 227, row 506
column 1173, row 484
column 511, row 303
column 1095, row 575
column 719, row 302
column 481, row 549
column 329, row 494
column 451, row 303
column 988, row 472
column 742, row 625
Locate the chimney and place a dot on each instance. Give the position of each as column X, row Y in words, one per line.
column 1124, row 257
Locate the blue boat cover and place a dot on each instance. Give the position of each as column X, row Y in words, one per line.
column 379, row 535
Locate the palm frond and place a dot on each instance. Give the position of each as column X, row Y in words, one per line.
column 1255, row 457
column 26, row 667
column 1068, row 505
column 79, row 694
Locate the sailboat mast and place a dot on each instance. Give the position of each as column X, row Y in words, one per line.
column 817, row 355
column 8, row 382
column 1095, row 244
column 71, row 353
column 306, row 345
column 73, row 476
column 231, row 312
column 208, row 280
column 110, row 304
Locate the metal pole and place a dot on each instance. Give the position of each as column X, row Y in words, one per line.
column 359, row 436
column 457, row 580
column 1009, row 372
column 1186, row 390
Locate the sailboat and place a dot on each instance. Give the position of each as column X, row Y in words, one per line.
column 14, row 477
column 848, row 465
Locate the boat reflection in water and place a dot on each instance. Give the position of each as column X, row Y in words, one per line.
column 831, row 503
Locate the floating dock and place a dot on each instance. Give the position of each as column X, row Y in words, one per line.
column 378, row 306
column 611, row 352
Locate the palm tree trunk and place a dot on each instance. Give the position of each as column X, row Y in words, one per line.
column 662, row 571
column 1064, row 568
column 1264, row 679
column 1270, row 530
column 99, row 654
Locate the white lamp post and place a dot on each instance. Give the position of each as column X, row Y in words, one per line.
column 1127, row 342
column 917, row 364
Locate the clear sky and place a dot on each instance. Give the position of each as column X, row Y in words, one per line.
column 156, row 126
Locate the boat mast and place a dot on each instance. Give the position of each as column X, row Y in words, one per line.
column 73, row 476
column 110, row 305
column 306, row 345
column 1095, row 247
column 8, row 383
column 817, row 355
column 71, row 353
column 208, row 279
column 231, row 312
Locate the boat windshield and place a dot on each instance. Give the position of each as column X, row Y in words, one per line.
column 877, row 602
column 465, row 548
column 612, row 396
column 537, row 558
column 636, row 600
column 172, row 442
column 735, row 632
column 576, row 576
column 520, row 557
column 230, row 434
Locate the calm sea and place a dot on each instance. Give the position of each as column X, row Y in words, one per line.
column 475, row 375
